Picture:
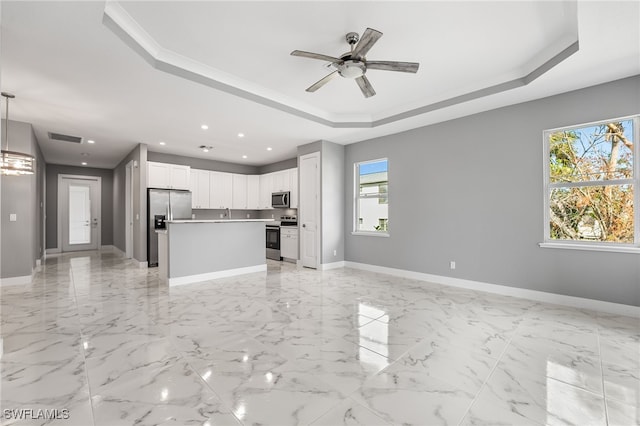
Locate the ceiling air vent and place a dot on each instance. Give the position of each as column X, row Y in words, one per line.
column 64, row 138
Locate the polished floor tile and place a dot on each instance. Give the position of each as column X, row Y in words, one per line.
column 98, row 336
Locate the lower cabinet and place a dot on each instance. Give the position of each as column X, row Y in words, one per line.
column 289, row 242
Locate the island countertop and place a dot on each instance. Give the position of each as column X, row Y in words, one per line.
column 200, row 250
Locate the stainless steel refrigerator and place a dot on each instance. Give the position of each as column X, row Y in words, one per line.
column 164, row 204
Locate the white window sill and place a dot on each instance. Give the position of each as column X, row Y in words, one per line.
column 591, row 247
column 371, row 234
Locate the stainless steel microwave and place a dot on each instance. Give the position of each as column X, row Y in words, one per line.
column 280, row 200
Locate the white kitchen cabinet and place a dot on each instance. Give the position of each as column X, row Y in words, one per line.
column 289, row 242
column 200, row 189
column 293, row 187
column 180, row 177
column 239, row 191
column 266, row 188
column 167, row 176
column 253, row 192
column 220, row 190
column 280, row 181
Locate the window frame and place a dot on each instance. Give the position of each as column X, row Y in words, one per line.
column 357, row 197
column 548, row 242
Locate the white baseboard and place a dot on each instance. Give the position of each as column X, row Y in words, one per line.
column 334, row 265
column 6, row 282
column 539, row 296
column 53, row 250
column 215, row 275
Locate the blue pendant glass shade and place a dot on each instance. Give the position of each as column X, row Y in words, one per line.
column 14, row 162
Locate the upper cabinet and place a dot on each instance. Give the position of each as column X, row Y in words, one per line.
column 239, row 192
column 253, row 192
column 280, row 181
column 266, row 190
column 168, row 176
column 220, row 190
column 200, row 189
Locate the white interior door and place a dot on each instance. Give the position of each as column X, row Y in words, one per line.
column 309, row 209
column 79, row 213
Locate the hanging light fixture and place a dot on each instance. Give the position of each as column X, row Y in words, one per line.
column 13, row 162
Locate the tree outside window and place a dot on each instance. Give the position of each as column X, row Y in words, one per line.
column 591, row 183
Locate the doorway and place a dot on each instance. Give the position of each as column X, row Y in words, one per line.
column 79, row 212
column 309, row 214
column 128, row 201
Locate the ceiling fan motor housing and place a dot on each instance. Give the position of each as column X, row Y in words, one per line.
column 352, row 69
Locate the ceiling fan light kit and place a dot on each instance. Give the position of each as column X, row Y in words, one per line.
column 14, row 162
column 354, row 65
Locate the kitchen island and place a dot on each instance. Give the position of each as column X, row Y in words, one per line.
column 199, row 250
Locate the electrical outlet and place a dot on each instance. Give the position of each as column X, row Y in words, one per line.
column 452, row 264
column 221, row 215
column 193, row 216
column 13, row 217
column 335, row 252
column 248, row 215
column 271, row 216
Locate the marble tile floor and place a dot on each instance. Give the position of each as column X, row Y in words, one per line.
column 99, row 337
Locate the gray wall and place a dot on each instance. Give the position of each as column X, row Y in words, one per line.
column 139, row 176
column 332, row 207
column 202, row 164
column 332, row 202
column 21, row 240
column 106, row 200
column 280, row 165
column 221, row 166
column 471, row 190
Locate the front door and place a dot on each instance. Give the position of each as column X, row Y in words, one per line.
column 80, row 207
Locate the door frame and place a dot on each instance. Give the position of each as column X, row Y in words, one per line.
column 128, row 215
column 317, row 207
column 97, row 179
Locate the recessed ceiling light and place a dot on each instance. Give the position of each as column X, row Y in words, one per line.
column 163, row 143
column 84, row 163
column 269, row 148
column 91, row 141
column 241, row 135
column 204, row 127
column 205, row 149
column 244, row 156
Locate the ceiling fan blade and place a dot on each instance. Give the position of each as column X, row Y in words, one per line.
column 365, row 86
column 324, row 80
column 319, row 56
column 368, row 39
column 393, row 66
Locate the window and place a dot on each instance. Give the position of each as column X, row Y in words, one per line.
column 371, row 200
column 591, row 181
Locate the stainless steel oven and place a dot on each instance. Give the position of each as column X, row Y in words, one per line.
column 273, row 242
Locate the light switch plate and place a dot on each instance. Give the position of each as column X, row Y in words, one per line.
column 13, row 217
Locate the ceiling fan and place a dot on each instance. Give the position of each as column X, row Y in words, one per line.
column 354, row 64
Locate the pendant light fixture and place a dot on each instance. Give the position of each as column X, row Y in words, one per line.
column 13, row 162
